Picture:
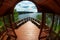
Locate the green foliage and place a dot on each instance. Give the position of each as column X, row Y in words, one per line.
column 39, row 17
column 7, row 21
column 1, row 22
column 47, row 19
column 48, row 22
column 57, row 28
column 57, row 25
column 1, row 25
column 49, row 15
column 15, row 16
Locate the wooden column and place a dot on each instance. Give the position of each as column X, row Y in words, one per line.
column 12, row 21
column 42, row 24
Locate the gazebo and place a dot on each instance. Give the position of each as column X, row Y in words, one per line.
column 44, row 6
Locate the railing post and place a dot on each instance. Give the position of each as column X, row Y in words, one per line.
column 11, row 26
column 9, row 29
column 42, row 24
column 5, row 25
column 13, row 20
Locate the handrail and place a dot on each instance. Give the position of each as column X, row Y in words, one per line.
column 21, row 22
column 36, row 22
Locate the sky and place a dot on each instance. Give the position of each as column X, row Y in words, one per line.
column 26, row 6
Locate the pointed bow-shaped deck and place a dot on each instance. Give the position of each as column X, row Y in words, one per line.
column 28, row 31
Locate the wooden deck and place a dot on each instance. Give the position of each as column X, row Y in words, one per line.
column 28, row 31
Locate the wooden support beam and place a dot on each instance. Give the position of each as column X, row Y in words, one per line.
column 42, row 24
column 11, row 27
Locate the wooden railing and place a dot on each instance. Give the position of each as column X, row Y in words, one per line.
column 40, row 25
column 21, row 22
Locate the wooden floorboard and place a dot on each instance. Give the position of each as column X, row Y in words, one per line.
column 28, row 31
